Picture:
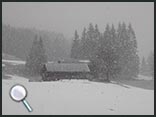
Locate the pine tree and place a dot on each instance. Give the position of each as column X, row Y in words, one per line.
column 96, row 44
column 114, row 47
column 30, row 64
column 120, row 48
column 43, row 56
column 83, row 44
column 90, row 41
column 129, row 59
column 96, row 41
column 106, row 56
column 36, row 57
column 133, row 52
column 97, row 33
column 90, row 32
column 75, row 46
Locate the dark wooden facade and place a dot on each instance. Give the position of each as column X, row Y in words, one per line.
column 57, row 71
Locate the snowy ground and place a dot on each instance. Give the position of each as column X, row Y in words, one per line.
column 13, row 62
column 141, row 77
column 82, row 97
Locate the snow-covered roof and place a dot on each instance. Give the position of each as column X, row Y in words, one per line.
column 85, row 61
column 67, row 67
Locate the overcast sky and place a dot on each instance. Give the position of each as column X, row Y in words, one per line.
column 66, row 17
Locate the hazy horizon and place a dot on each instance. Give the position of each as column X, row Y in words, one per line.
column 67, row 17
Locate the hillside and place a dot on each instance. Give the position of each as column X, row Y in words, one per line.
column 18, row 41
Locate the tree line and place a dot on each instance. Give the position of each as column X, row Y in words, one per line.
column 18, row 41
column 113, row 53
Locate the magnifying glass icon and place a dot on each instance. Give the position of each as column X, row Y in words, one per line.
column 18, row 93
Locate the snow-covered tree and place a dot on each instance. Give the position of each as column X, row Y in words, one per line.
column 112, row 54
column 90, row 46
column 88, row 42
column 97, row 35
column 107, row 57
column 36, row 57
column 133, row 52
column 129, row 59
column 83, row 44
column 75, row 46
column 42, row 52
column 122, row 47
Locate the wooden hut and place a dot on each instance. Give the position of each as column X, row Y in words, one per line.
column 56, row 71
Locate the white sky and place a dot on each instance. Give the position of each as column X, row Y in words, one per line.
column 66, row 17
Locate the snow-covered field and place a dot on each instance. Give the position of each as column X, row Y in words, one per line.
column 13, row 62
column 82, row 97
column 16, row 62
column 141, row 77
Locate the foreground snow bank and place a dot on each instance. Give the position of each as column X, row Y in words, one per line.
column 78, row 97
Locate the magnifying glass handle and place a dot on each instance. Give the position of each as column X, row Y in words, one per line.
column 27, row 105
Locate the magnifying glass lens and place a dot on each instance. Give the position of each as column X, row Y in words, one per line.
column 18, row 93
